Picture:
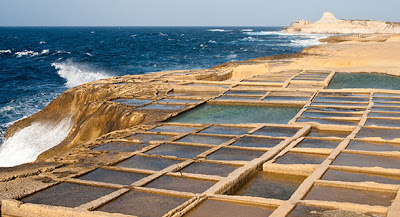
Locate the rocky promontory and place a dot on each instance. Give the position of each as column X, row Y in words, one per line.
column 329, row 24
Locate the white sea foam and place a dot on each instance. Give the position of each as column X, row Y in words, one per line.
column 63, row 51
column 232, row 56
column 218, row 30
column 212, row 42
column 77, row 74
column 31, row 53
column 89, row 54
column 246, row 30
column 296, row 39
column 42, row 42
column 26, row 53
column 162, row 34
column 5, row 51
column 28, row 143
column 251, row 39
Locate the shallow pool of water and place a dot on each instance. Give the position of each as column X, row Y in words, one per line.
column 180, row 151
column 345, row 176
column 113, row 176
column 338, row 194
column 147, row 163
column 142, row 204
column 180, row 184
column 209, row 168
column 271, row 185
column 67, row 194
column 225, row 114
column 365, row 80
column 216, row 208
column 232, row 154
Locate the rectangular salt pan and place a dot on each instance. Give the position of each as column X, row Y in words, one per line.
column 373, row 198
column 113, row 176
column 209, row 169
column 226, row 114
column 147, row 163
column 180, row 151
column 361, row 160
column 345, row 176
column 180, row 184
column 270, row 185
column 142, row 204
column 373, row 146
column 276, row 131
column 212, row 140
column 301, row 158
column 256, row 142
column 230, row 154
column 216, row 208
column 387, row 134
column 67, row 194
column 318, row 143
column 225, row 130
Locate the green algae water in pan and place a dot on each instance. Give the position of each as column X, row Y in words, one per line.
column 365, row 80
column 236, row 114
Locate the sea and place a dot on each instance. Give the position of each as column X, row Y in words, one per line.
column 37, row 64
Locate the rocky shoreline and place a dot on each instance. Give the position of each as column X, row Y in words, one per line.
column 128, row 109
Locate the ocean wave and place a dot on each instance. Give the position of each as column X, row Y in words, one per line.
column 77, row 74
column 212, row 42
column 31, row 53
column 219, row 30
column 266, row 33
column 162, row 34
column 62, row 52
column 251, row 39
column 28, row 143
column 42, row 42
column 304, row 42
column 246, row 30
column 5, row 51
column 232, row 56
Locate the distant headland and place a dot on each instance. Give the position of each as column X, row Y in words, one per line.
column 329, row 24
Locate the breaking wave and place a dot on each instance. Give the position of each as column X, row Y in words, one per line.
column 296, row 39
column 5, row 51
column 28, row 143
column 252, row 39
column 77, row 74
column 219, row 30
column 31, row 53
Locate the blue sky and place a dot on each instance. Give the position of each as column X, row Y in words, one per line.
column 187, row 12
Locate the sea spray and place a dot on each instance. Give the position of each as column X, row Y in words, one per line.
column 28, row 143
column 77, row 74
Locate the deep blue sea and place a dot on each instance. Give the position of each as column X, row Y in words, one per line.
column 38, row 63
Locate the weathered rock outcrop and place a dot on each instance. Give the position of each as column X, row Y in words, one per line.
column 329, row 24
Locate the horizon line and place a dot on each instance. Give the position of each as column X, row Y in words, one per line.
column 134, row 26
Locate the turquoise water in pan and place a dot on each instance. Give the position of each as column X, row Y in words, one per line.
column 365, row 80
column 224, row 114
